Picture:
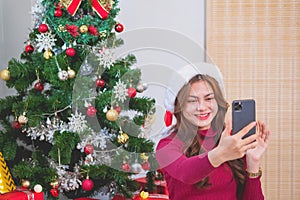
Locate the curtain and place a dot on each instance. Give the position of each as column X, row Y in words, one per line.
column 256, row 44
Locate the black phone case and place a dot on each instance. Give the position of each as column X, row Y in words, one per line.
column 243, row 112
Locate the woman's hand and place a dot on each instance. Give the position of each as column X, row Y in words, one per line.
column 254, row 155
column 232, row 147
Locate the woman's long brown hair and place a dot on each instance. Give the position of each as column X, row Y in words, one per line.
column 184, row 131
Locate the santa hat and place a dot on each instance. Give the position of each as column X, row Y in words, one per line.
column 181, row 77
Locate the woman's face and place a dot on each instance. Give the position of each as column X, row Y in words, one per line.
column 201, row 106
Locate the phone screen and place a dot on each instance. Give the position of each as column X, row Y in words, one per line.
column 243, row 113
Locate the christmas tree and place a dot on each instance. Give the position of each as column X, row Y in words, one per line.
column 77, row 121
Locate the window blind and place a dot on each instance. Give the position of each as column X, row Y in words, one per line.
column 256, row 44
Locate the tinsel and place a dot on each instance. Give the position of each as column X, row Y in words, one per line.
column 37, row 12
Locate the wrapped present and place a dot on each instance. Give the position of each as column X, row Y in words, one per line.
column 22, row 194
column 161, row 186
column 6, row 182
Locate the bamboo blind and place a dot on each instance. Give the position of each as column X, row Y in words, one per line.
column 256, row 44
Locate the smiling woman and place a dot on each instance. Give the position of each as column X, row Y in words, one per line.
column 201, row 106
column 199, row 158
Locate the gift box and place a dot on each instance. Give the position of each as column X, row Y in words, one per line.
column 161, row 186
column 22, row 194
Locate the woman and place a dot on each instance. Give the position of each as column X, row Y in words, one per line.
column 200, row 158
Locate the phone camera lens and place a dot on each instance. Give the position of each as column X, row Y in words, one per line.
column 238, row 106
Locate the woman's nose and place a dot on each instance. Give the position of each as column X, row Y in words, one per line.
column 200, row 105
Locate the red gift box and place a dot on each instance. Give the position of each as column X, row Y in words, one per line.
column 20, row 194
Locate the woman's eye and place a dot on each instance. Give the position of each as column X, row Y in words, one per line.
column 209, row 99
column 192, row 100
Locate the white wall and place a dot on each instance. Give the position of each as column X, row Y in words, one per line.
column 163, row 34
column 15, row 21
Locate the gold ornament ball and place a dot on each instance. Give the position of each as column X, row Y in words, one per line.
column 83, row 29
column 112, row 115
column 144, row 156
column 25, row 183
column 48, row 54
column 123, row 138
column 54, row 184
column 5, row 74
column 71, row 73
column 61, row 28
column 144, row 194
column 22, row 119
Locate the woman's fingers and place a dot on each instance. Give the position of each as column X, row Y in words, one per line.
column 249, row 139
column 246, row 147
column 245, row 130
column 228, row 128
column 263, row 131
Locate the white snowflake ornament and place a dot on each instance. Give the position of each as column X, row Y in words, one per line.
column 106, row 57
column 45, row 41
column 77, row 122
column 120, row 91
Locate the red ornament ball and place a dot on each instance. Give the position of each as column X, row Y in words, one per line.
column 146, row 165
column 118, row 109
column 126, row 167
column 88, row 149
column 119, row 27
column 54, row 192
column 70, row 52
column 87, row 184
column 131, row 91
column 29, row 48
column 43, row 28
column 91, row 111
column 16, row 125
column 100, row 83
column 58, row 12
column 39, row 86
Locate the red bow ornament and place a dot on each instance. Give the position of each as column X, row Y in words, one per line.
column 99, row 7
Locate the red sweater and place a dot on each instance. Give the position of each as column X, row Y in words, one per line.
column 181, row 173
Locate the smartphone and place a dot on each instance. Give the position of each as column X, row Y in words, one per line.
column 243, row 112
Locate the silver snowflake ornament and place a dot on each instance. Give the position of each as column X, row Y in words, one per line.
column 77, row 122
column 68, row 180
column 45, row 41
column 120, row 91
column 106, row 57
